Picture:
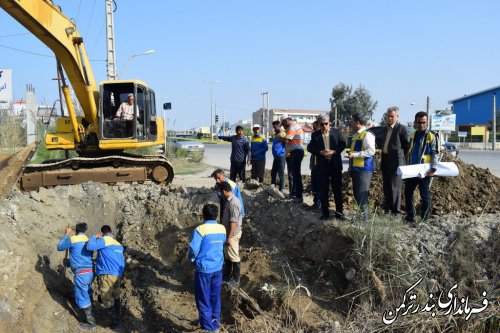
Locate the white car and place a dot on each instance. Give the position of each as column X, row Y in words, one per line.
column 190, row 146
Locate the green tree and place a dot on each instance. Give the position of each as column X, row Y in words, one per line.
column 349, row 102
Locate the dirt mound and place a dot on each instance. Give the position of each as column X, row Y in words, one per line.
column 474, row 192
column 299, row 274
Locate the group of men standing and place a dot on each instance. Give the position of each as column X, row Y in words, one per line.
column 108, row 267
column 398, row 149
column 287, row 150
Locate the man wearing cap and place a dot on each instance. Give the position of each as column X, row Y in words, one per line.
column 293, row 143
column 327, row 144
column 82, row 266
column 126, row 112
column 240, row 151
column 258, row 148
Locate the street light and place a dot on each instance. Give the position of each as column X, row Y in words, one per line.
column 211, row 107
column 131, row 58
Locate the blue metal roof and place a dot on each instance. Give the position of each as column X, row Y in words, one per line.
column 474, row 94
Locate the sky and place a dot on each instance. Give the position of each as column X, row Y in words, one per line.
column 401, row 51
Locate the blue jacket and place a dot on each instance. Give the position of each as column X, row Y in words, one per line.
column 258, row 147
column 279, row 149
column 110, row 259
column 79, row 257
column 206, row 249
column 240, row 149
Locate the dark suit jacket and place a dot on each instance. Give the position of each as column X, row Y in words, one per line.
column 337, row 143
column 397, row 149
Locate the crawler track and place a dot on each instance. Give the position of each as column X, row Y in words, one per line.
column 108, row 169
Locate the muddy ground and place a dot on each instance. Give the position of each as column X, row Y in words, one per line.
column 299, row 274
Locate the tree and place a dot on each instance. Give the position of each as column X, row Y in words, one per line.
column 349, row 102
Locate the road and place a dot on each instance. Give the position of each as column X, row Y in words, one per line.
column 217, row 155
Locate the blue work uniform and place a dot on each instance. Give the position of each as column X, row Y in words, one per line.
column 110, row 259
column 206, row 251
column 82, row 266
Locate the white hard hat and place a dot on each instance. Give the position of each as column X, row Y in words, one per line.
column 256, row 126
column 283, row 117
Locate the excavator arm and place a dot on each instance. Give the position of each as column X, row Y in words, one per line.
column 46, row 21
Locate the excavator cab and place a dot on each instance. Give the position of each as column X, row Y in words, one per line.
column 127, row 111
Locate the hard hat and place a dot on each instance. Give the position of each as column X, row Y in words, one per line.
column 256, row 126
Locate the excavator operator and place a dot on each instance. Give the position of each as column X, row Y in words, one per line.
column 126, row 113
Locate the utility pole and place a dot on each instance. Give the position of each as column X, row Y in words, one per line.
column 110, row 41
column 211, row 83
column 494, row 145
column 428, row 106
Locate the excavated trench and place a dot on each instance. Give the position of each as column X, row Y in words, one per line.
column 293, row 265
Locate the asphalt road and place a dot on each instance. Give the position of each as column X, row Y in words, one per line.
column 218, row 155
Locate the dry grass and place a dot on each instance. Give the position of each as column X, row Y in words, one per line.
column 12, row 133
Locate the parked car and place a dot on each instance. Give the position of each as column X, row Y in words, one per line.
column 190, row 146
column 451, row 147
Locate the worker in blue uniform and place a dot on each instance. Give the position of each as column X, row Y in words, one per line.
column 109, row 267
column 80, row 259
column 206, row 251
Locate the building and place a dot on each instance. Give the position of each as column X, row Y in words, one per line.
column 303, row 117
column 475, row 109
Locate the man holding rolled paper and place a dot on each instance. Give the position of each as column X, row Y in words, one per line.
column 423, row 149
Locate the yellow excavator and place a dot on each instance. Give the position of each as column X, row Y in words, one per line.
column 119, row 115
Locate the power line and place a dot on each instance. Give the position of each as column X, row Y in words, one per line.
column 97, row 39
column 33, row 53
column 39, row 54
column 20, row 34
column 90, row 21
column 78, row 12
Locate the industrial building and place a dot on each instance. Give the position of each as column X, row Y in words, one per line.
column 475, row 109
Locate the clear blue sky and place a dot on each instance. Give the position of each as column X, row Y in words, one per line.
column 401, row 51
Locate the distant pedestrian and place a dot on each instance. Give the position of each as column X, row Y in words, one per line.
column 109, row 267
column 258, row 149
column 279, row 155
column 206, row 251
column 361, row 162
column 219, row 177
column 294, row 139
column 423, row 149
column 240, row 152
column 396, row 143
column 82, row 266
column 327, row 144
column 315, row 180
column 232, row 220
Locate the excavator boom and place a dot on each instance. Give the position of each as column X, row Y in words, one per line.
column 103, row 133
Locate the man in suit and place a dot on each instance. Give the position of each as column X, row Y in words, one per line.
column 327, row 144
column 396, row 143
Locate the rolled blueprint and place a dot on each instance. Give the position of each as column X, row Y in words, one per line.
column 443, row 169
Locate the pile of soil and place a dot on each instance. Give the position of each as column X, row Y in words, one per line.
column 293, row 265
column 474, row 192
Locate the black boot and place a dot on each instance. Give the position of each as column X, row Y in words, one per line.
column 236, row 272
column 235, row 277
column 227, row 270
column 89, row 318
column 115, row 313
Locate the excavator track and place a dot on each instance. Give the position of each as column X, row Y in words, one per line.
column 125, row 168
